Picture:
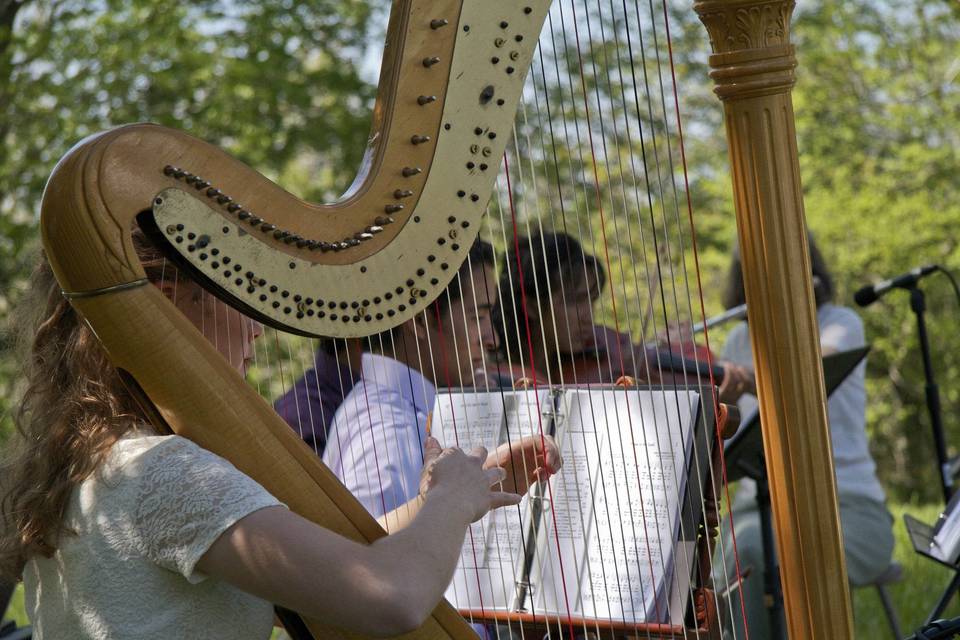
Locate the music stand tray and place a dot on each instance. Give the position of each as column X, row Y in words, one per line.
column 744, row 451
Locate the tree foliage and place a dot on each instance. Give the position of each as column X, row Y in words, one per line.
column 877, row 106
column 275, row 83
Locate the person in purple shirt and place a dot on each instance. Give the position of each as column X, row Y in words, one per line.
column 309, row 406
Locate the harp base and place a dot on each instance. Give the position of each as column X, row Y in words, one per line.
column 707, row 623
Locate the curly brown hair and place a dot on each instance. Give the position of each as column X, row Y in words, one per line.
column 73, row 408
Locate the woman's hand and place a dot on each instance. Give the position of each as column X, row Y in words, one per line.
column 465, row 479
column 527, row 460
column 737, row 381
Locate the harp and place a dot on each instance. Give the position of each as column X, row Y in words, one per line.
column 452, row 77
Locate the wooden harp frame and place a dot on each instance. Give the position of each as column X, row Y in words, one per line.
column 441, row 124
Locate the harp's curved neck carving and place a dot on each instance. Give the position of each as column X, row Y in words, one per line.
column 449, row 88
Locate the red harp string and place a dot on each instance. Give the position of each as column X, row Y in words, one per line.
column 606, row 177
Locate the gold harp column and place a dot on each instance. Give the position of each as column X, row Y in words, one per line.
column 753, row 66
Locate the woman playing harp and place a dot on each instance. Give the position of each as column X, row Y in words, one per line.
column 440, row 130
column 108, row 515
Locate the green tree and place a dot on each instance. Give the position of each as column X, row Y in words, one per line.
column 878, row 114
column 275, row 83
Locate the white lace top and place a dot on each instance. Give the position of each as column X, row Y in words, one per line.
column 142, row 522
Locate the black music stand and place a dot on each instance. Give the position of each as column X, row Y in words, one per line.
column 922, row 539
column 744, row 458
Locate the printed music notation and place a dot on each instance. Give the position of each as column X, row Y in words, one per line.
column 607, row 526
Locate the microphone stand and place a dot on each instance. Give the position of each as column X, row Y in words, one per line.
column 919, row 306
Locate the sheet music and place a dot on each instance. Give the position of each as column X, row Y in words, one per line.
column 632, row 446
column 493, row 552
column 612, row 536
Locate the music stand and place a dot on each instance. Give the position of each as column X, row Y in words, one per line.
column 922, row 539
column 744, row 458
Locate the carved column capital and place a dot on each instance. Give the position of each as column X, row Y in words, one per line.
column 753, row 66
column 752, row 54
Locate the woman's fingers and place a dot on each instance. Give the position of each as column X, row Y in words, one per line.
column 553, row 459
column 431, row 450
column 496, row 475
column 479, row 452
column 503, row 499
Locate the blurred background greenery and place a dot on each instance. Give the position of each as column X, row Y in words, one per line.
column 288, row 87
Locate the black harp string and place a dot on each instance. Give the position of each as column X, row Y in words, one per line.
column 670, row 556
column 495, row 530
column 552, row 314
column 685, row 565
column 579, row 65
column 563, row 215
column 553, row 321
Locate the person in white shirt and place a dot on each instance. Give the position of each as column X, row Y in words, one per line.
column 866, row 524
column 119, row 532
column 375, row 445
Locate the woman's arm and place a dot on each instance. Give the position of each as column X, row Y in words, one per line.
column 386, row 588
column 525, row 461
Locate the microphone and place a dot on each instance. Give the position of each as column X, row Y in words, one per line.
column 868, row 294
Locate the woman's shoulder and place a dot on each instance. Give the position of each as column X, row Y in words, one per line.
column 143, row 447
column 840, row 327
column 835, row 313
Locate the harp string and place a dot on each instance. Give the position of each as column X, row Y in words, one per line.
column 486, row 386
column 287, row 352
column 686, row 191
column 677, row 306
column 604, row 153
column 499, row 388
column 552, row 314
column 511, row 370
column 709, row 356
column 299, row 347
column 606, row 256
column 618, row 152
column 453, row 417
column 536, row 392
column 523, row 373
column 457, row 353
column 556, row 344
column 670, row 293
column 537, row 300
